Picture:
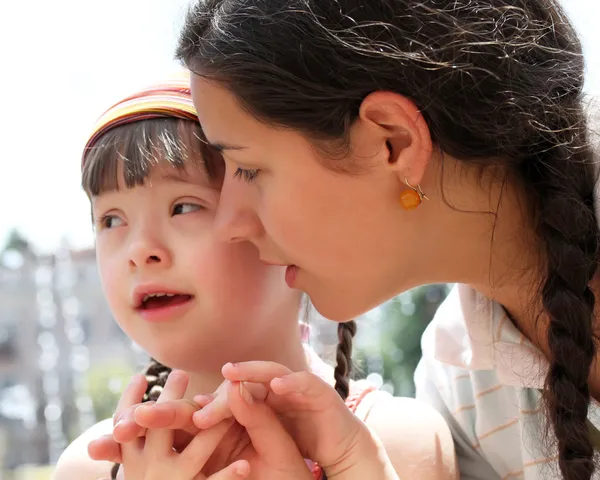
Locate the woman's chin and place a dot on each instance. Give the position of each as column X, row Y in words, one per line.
column 339, row 309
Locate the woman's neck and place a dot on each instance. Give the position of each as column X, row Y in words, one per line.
column 498, row 253
column 489, row 241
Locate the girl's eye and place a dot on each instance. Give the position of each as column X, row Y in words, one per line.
column 183, row 208
column 110, row 221
column 247, row 175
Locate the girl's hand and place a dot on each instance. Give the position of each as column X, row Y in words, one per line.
column 153, row 456
column 125, row 428
column 258, row 438
column 321, row 425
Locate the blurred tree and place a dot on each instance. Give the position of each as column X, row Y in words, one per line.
column 16, row 250
column 398, row 351
column 104, row 384
column 17, row 241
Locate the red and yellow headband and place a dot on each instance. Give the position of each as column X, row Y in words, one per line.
column 168, row 99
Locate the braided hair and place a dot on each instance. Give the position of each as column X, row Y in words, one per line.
column 343, row 358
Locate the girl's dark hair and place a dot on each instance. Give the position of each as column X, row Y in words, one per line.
column 130, row 152
column 343, row 358
column 499, row 82
column 343, row 354
column 156, row 375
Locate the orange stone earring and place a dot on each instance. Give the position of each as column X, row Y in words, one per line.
column 411, row 199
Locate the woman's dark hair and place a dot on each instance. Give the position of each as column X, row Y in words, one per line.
column 499, row 82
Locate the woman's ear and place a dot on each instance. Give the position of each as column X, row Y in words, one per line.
column 404, row 131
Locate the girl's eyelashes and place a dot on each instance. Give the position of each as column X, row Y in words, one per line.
column 186, row 207
column 108, row 221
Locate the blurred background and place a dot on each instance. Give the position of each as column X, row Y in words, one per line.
column 63, row 359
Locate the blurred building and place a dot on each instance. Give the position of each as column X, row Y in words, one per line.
column 54, row 326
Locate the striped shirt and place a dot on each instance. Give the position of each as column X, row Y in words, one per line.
column 483, row 375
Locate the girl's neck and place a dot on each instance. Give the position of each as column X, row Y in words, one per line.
column 286, row 349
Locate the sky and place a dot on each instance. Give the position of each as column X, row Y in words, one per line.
column 64, row 62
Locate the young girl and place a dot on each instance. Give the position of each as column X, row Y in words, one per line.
column 373, row 146
column 195, row 303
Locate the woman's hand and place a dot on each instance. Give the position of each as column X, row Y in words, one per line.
column 322, row 426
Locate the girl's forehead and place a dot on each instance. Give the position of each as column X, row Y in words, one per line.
column 161, row 172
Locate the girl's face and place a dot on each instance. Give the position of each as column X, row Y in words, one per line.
column 344, row 237
column 184, row 296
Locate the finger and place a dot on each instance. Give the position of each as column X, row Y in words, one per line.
column 269, row 438
column 305, row 387
column 215, row 412
column 173, row 414
column 255, row 372
column 161, row 440
column 203, row 400
column 126, row 429
column 127, row 413
column 236, row 471
column 133, row 393
column 202, row 446
column 218, row 409
column 175, row 387
column 105, row 448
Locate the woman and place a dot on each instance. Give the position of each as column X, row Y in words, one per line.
column 375, row 146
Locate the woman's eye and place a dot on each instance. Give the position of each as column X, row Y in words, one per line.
column 183, row 208
column 247, row 175
column 110, row 221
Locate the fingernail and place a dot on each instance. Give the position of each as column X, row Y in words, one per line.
column 198, row 417
column 241, row 470
column 246, row 394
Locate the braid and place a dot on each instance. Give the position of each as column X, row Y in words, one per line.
column 561, row 179
column 156, row 376
column 343, row 357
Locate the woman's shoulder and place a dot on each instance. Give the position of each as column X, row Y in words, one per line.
column 75, row 463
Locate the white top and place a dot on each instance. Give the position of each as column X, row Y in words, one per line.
column 483, row 375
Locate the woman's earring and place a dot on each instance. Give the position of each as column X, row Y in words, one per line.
column 412, row 198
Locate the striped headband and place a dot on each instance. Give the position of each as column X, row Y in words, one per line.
column 171, row 98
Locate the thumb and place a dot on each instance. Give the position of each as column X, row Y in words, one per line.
column 105, row 448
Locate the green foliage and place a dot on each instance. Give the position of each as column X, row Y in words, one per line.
column 397, row 351
column 16, row 241
column 104, row 385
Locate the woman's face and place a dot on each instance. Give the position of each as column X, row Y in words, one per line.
column 344, row 237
